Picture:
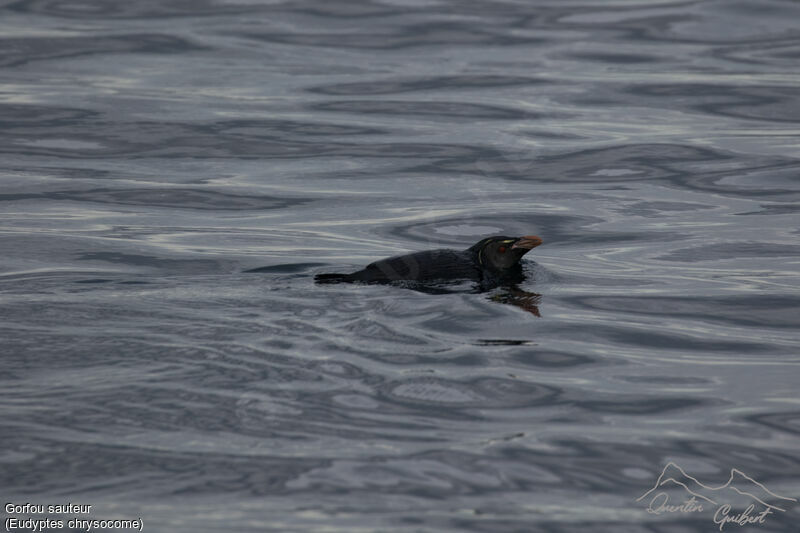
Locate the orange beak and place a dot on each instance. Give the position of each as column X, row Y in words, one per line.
column 527, row 243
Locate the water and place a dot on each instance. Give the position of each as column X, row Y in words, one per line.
column 152, row 152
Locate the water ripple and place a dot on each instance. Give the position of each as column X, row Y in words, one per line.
column 175, row 172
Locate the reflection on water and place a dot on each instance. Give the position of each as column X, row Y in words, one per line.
column 527, row 301
column 174, row 174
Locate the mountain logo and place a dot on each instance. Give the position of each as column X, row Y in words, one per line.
column 740, row 491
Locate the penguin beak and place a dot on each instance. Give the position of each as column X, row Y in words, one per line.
column 527, row 243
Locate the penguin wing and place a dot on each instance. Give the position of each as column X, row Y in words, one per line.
column 422, row 266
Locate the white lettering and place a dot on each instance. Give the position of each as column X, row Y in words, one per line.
column 28, row 508
column 35, row 524
column 721, row 517
column 660, row 504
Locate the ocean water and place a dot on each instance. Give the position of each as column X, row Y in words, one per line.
column 173, row 174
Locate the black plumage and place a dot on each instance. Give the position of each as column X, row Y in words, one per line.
column 490, row 259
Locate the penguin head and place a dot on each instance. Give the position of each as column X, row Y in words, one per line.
column 502, row 253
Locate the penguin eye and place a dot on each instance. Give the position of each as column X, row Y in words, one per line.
column 502, row 249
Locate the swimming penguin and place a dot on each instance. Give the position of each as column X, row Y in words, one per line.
column 489, row 261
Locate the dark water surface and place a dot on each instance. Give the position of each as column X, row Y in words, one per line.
column 153, row 151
